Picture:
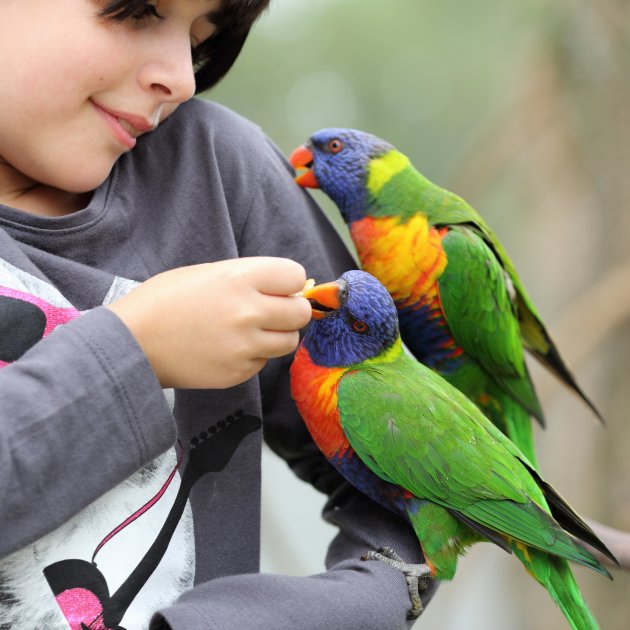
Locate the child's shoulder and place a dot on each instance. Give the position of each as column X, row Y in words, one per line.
column 204, row 109
column 212, row 122
column 207, row 141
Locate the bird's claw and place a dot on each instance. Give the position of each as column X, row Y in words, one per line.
column 415, row 574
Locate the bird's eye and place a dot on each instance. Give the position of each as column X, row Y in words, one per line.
column 335, row 145
column 360, row 327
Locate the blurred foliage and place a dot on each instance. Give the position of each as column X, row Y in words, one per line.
column 523, row 108
column 420, row 73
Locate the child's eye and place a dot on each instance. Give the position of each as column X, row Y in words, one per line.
column 145, row 13
column 135, row 12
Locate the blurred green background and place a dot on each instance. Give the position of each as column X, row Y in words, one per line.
column 523, row 108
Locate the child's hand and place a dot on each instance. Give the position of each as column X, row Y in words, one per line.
column 215, row 325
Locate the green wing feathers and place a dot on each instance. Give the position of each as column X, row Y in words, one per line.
column 449, row 209
column 475, row 297
column 412, row 428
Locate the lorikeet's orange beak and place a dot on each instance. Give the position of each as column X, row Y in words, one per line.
column 324, row 298
column 302, row 158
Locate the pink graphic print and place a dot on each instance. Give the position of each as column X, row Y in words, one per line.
column 34, row 319
column 79, row 604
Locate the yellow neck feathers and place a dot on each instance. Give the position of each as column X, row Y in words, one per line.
column 382, row 169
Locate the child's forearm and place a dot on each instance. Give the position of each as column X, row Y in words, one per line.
column 79, row 412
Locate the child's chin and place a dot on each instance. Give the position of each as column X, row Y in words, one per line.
column 82, row 180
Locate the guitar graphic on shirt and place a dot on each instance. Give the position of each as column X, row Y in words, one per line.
column 80, row 588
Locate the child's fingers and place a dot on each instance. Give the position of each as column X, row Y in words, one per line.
column 286, row 313
column 275, row 344
column 278, row 276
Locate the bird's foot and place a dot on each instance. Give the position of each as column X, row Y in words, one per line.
column 417, row 576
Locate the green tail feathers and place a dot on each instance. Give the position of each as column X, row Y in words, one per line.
column 555, row 575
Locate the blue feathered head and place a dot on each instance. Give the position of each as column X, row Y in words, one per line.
column 354, row 319
column 337, row 161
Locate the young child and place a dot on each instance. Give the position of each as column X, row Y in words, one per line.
column 148, row 242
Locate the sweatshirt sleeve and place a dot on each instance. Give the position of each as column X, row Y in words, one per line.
column 79, row 412
column 284, row 221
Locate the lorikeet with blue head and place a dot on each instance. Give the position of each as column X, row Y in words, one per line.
column 409, row 440
column 462, row 307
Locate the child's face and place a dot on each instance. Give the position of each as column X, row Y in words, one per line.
column 77, row 89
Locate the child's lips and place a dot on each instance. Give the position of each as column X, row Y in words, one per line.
column 126, row 127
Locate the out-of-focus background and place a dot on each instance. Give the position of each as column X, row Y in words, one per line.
column 523, row 108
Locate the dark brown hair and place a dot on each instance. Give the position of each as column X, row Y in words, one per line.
column 215, row 56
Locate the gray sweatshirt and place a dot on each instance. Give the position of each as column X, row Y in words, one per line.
column 127, row 506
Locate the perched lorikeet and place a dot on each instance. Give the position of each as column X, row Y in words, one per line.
column 405, row 437
column 463, row 310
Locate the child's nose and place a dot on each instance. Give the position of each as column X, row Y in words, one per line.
column 169, row 70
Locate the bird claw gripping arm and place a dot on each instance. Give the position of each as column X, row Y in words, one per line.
column 415, row 574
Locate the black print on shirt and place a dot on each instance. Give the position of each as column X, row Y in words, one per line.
column 81, row 590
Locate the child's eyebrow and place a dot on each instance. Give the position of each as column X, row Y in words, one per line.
column 216, row 6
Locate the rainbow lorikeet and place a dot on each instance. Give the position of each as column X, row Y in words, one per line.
column 408, row 439
column 463, row 310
